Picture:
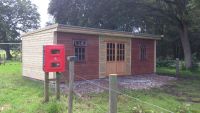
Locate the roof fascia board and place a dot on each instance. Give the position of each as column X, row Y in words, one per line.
column 93, row 31
column 41, row 30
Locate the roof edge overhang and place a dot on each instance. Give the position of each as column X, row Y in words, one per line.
column 54, row 26
column 93, row 31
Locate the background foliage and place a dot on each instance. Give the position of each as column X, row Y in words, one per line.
column 16, row 16
column 160, row 17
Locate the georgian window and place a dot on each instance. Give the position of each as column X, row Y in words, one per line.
column 110, row 51
column 120, row 52
column 80, row 50
column 115, row 51
column 143, row 52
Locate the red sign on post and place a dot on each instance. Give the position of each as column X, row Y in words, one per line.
column 54, row 58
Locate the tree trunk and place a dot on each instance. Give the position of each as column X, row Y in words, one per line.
column 8, row 55
column 186, row 45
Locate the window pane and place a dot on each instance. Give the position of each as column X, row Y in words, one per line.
column 83, row 50
column 142, row 52
column 76, row 51
column 80, row 53
column 113, row 52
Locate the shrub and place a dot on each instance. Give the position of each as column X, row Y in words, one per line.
column 140, row 109
column 165, row 63
column 54, row 107
column 195, row 65
column 183, row 67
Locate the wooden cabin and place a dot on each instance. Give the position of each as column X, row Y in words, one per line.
column 99, row 52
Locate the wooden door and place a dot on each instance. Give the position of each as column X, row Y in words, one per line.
column 115, row 63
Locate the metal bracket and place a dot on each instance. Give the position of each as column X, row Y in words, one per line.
column 72, row 58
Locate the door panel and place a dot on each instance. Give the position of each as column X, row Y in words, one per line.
column 111, row 68
column 120, row 68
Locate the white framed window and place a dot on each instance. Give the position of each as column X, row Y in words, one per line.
column 80, row 50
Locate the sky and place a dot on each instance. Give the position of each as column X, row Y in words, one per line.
column 42, row 6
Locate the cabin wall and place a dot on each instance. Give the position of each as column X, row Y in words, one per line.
column 88, row 69
column 32, row 53
column 143, row 66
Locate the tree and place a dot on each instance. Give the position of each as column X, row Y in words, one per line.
column 16, row 16
column 169, row 17
column 178, row 13
column 109, row 14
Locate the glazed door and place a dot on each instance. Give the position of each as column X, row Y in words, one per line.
column 115, row 63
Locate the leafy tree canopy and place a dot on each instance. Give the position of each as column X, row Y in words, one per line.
column 16, row 16
column 178, row 20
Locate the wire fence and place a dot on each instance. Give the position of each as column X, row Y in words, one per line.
column 126, row 95
column 10, row 51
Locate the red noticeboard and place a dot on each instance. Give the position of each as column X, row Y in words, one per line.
column 54, row 58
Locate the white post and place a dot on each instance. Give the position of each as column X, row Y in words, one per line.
column 155, row 56
column 113, row 93
column 71, row 60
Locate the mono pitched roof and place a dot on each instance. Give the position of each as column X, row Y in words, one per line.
column 92, row 31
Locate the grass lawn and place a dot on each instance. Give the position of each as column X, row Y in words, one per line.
column 183, row 73
column 18, row 95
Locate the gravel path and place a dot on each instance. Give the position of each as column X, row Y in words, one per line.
column 127, row 82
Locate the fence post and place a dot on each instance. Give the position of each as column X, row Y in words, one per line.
column 58, row 85
column 177, row 67
column 4, row 59
column 71, row 60
column 46, row 87
column 113, row 93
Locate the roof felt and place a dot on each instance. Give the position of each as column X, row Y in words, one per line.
column 93, row 31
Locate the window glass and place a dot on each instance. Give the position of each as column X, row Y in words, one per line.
column 120, row 52
column 80, row 53
column 142, row 52
column 115, row 51
column 80, row 46
column 110, row 51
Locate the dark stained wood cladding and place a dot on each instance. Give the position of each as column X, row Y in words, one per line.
column 88, row 69
column 139, row 66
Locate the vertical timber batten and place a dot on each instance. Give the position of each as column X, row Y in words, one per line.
column 130, row 57
column 155, row 56
column 55, row 42
column 99, row 56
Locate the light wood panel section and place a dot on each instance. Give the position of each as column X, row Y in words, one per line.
column 32, row 53
column 102, row 55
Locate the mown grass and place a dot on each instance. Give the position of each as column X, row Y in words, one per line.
column 19, row 95
column 183, row 73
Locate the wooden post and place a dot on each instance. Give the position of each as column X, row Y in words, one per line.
column 71, row 60
column 46, row 87
column 177, row 67
column 58, row 85
column 113, row 93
